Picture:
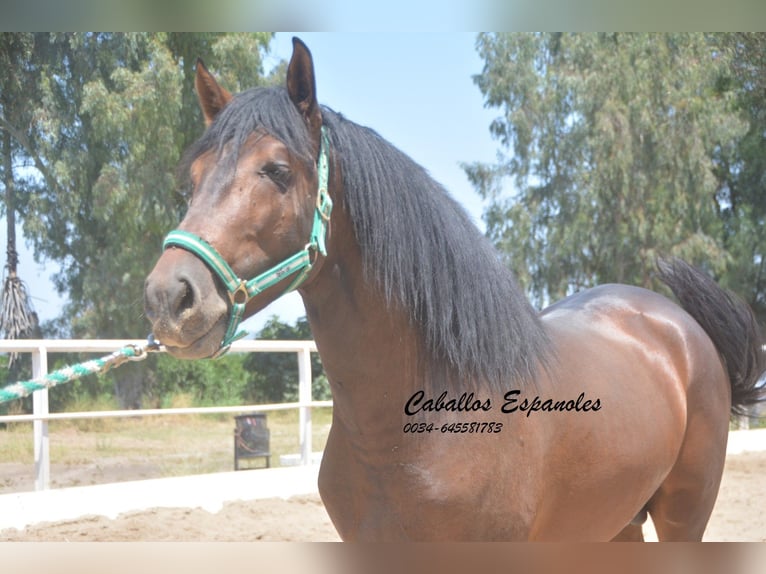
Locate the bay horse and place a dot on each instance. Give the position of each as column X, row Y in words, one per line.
column 460, row 413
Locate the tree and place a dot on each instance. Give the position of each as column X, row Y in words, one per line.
column 741, row 169
column 274, row 376
column 17, row 317
column 611, row 141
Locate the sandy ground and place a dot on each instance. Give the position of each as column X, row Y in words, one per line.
column 738, row 516
column 299, row 519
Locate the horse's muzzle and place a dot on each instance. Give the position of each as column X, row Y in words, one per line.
column 184, row 306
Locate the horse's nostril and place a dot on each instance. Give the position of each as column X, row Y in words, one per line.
column 186, row 297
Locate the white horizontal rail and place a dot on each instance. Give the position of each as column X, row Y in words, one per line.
column 39, row 348
column 159, row 412
column 109, row 345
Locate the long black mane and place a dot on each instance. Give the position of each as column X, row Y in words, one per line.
column 417, row 244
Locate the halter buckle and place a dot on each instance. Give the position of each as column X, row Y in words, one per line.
column 324, row 204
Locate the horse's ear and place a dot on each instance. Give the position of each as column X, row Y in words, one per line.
column 301, row 85
column 212, row 97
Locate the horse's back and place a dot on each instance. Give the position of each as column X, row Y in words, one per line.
column 643, row 331
column 663, row 393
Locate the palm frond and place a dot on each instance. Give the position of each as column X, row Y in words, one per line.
column 18, row 319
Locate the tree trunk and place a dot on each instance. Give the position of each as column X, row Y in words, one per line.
column 12, row 261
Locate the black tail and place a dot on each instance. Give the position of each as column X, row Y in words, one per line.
column 729, row 322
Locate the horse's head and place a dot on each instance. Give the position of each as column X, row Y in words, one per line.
column 257, row 218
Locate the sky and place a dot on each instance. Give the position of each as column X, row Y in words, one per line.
column 415, row 89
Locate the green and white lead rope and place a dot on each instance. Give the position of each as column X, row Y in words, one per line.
column 73, row 372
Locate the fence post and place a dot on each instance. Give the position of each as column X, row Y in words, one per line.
column 304, row 396
column 40, row 427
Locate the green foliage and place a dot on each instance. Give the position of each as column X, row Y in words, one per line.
column 741, row 169
column 610, row 146
column 218, row 382
column 274, row 376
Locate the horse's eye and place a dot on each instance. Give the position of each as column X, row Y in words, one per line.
column 279, row 173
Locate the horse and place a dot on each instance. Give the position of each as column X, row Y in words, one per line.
column 459, row 411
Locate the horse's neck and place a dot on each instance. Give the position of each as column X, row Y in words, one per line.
column 369, row 351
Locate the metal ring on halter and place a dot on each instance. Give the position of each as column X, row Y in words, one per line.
column 152, row 344
column 313, row 250
column 239, row 296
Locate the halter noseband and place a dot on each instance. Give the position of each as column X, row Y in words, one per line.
column 241, row 291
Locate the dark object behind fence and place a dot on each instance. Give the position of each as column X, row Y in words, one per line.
column 251, row 438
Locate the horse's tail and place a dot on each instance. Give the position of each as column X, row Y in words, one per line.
column 730, row 324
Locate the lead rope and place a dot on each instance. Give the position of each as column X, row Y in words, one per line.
column 73, row 372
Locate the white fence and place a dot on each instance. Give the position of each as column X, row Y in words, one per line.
column 40, row 416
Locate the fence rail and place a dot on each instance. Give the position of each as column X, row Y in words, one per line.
column 39, row 349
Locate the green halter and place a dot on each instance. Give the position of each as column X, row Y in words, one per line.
column 300, row 264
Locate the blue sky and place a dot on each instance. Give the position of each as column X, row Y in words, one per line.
column 415, row 89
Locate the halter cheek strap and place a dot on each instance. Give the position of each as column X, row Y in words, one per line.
column 241, row 291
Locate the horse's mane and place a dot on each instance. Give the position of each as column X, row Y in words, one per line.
column 417, row 244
